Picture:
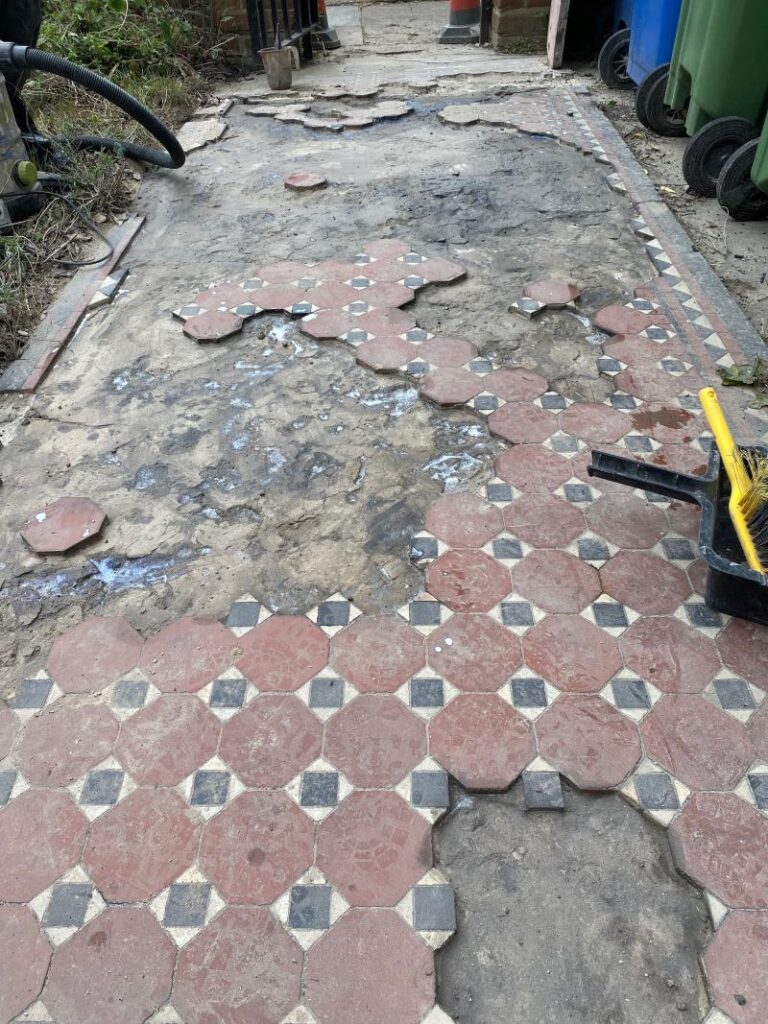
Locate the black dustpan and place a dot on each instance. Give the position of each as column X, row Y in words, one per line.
column 732, row 587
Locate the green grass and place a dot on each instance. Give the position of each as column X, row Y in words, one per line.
column 157, row 53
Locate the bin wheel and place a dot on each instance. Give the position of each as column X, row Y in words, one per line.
column 613, row 60
column 709, row 149
column 652, row 111
column 736, row 192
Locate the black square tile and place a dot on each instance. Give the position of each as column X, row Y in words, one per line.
column 301, row 308
column 565, row 444
column 705, row 618
column 423, row 547
column 427, row 693
column 759, row 786
column 657, row 333
column 319, row 789
column 7, row 782
column 430, row 789
column 416, row 334
column 248, row 309
column 310, row 907
column 610, row 615
column 414, row 281
column 187, row 905
column 517, row 613
column 326, row 693
column 678, row 549
column 542, row 791
column 243, row 615
column 638, row 443
column 656, row 499
column 130, row 693
column 672, row 366
column 31, row 693
column 417, row 367
column 361, row 259
column 486, row 403
column 734, row 695
column 333, row 613
column 689, row 402
column 591, row 549
column 424, row 613
column 307, row 282
column 608, row 365
column 644, row 305
column 228, row 693
column 356, row 336
column 507, row 548
column 102, row 787
column 577, row 493
column 553, row 401
column 358, row 307
column 210, row 788
column 656, row 792
column 68, row 905
column 361, row 282
column 529, row 693
column 623, row 402
column 631, row 694
column 433, row 908
column 412, row 259
column 499, row 492
column 481, row 366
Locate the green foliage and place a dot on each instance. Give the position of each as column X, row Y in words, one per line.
column 122, row 38
column 749, row 375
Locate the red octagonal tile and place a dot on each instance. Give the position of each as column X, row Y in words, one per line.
column 378, row 653
column 595, row 423
column 544, row 521
column 444, row 351
column 41, row 837
column 117, row 969
column 370, row 967
column 385, row 353
column 587, row 740
column 255, row 848
column 556, row 581
column 736, row 963
column 63, row 525
column 213, row 326
column 703, row 746
column 24, row 963
column 719, row 841
column 439, row 270
column 625, row 321
column 627, row 521
column 450, row 386
column 138, row 848
column 645, row 582
column 244, row 967
column 522, row 423
column 283, row 652
column 474, row 652
column 552, row 292
column 744, row 649
column 516, row 385
column 166, row 741
column 670, row 654
column 375, row 741
column 94, row 654
column 758, row 731
column 481, row 741
column 530, row 467
column 270, row 742
column 66, row 741
column 330, row 323
column 572, row 653
column 187, row 654
column 467, row 580
column 373, row 848
column 463, row 520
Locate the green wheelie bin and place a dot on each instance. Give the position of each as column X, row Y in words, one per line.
column 742, row 188
column 716, row 87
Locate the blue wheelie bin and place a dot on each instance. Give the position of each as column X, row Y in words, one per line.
column 653, row 28
column 612, row 61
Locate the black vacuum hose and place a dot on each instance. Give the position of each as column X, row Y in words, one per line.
column 27, row 57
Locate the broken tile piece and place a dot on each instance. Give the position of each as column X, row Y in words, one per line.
column 196, row 134
column 213, row 326
column 63, row 525
column 552, row 292
column 304, row 181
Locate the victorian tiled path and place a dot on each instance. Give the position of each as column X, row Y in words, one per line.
column 229, row 822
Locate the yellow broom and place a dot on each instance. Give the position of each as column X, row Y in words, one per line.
column 748, row 474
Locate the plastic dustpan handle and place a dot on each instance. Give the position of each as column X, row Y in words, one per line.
column 649, row 478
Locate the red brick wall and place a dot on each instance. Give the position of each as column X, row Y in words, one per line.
column 228, row 21
column 519, row 24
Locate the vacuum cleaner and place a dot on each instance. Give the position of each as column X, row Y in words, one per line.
column 22, row 148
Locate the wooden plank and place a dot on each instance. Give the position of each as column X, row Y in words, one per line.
column 558, row 23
